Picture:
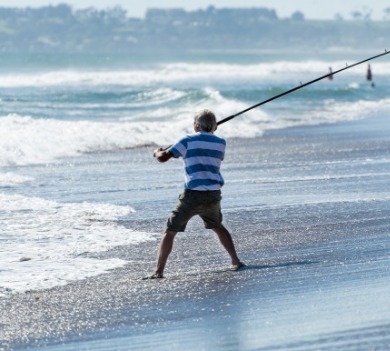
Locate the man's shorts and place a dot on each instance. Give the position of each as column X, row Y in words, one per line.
column 206, row 204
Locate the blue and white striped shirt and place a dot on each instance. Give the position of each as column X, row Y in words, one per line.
column 202, row 154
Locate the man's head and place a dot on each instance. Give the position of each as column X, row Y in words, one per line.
column 205, row 121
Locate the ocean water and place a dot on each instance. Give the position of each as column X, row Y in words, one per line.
column 68, row 187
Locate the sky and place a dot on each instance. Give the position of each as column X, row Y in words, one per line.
column 312, row 9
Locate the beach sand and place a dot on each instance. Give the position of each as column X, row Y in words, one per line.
column 309, row 210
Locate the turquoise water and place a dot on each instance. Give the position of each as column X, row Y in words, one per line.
column 60, row 116
column 64, row 119
column 79, row 190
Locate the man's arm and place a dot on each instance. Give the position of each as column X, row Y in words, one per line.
column 162, row 154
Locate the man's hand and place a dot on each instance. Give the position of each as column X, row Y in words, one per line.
column 162, row 155
column 157, row 151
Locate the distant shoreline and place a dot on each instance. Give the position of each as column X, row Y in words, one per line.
column 62, row 29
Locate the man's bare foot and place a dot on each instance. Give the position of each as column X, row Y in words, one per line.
column 154, row 276
column 237, row 267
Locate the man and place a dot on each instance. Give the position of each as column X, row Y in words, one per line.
column 202, row 153
column 369, row 73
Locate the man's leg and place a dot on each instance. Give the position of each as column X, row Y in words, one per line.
column 226, row 240
column 165, row 249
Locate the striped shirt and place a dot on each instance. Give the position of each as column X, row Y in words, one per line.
column 202, row 154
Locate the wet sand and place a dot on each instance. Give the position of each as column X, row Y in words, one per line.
column 309, row 209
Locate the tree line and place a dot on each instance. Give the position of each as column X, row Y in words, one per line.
column 62, row 29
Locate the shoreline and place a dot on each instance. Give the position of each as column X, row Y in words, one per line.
column 286, row 246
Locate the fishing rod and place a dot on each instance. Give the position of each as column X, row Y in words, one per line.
column 294, row 89
column 300, row 87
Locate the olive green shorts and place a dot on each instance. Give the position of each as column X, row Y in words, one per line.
column 206, row 204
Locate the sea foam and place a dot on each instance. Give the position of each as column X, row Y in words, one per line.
column 189, row 74
column 44, row 242
column 40, row 141
column 10, row 179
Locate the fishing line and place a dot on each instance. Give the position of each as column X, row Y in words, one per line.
column 300, row 87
